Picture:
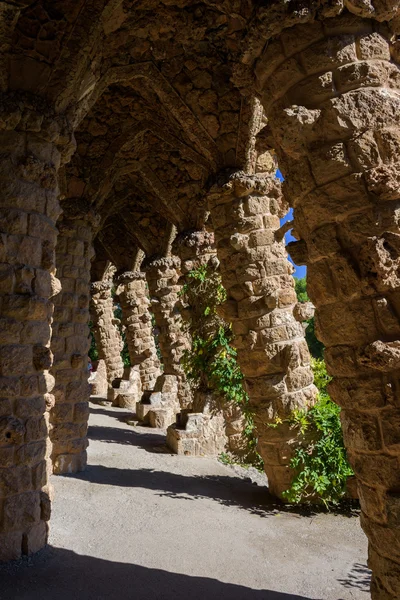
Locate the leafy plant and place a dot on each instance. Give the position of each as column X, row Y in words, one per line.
column 211, row 363
column 93, row 352
column 320, row 461
column 315, row 346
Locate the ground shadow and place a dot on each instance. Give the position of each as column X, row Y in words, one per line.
column 55, row 573
column 151, row 442
column 122, row 416
column 228, row 491
column 359, row 577
column 236, row 491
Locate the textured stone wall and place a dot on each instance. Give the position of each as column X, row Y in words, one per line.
column 332, row 94
column 136, row 317
column 256, row 273
column 70, row 343
column 108, row 339
column 29, row 209
column 163, row 279
column 206, row 430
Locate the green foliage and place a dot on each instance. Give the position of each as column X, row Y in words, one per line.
column 93, row 352
column 301, row 289
column 320, row 461
column 211, row 363
column 315, row 346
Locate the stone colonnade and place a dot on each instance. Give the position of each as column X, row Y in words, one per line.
column 136, row 317
column 108, row 339
column 70, row 343
column 29, row 209
column 272, row 352
column 331, row 92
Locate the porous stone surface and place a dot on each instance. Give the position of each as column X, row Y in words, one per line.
column 198, row 433
column 29, row 207
column 70, row 342
column 272, row 351
column 108, row 339
column 127, row 391
column 98, row 380
column 163, row 280
column 160, row 97
column 335, row 125
column 136, row 317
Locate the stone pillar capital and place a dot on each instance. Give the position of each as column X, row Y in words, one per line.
column 193, row 247
column 162, row 264
column 98, row 287
column 238, row 184
column 24, row 112
column 130, row 276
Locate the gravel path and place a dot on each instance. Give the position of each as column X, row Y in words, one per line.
column 142, row 524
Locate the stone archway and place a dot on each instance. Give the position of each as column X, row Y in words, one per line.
column 165, row 118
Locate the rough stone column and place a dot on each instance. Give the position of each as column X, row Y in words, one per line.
column 337, row 136
column 108, row 339
column 136, row 317
column 256, row 273
column 204, row 431
column 194, row 248
column 70, row 342
column 29, row 209
column 163, row 279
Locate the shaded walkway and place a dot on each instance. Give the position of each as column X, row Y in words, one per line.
column 142, row 524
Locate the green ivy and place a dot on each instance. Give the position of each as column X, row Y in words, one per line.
column 320, row 461
column 93, row 352
column 211, row 363
column 315, row 346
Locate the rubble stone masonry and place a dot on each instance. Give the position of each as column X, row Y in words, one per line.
column 272, row 351
column 29, row 209
column 136, row 317
column 331, row 92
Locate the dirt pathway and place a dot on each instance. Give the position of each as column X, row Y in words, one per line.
column 142, row 524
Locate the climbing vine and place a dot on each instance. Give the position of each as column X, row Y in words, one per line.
column 93, row 352
column 211, row 362
column 320, row 461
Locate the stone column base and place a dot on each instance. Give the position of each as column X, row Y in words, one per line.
column 98, row 380
column 159, row 407
column 127, row 392
column 197, row 434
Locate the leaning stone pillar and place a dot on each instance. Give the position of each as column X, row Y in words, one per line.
column 171, row 390
column 272, row 351
column 70, row 340
column 337, row 136
column 108, row 339
column 136, row 317
column 198, row 430
column 29, row 209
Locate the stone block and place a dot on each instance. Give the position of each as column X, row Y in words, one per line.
column 161, row 418
column 35, row 538
column 142, row 410
column 20, row 510
column 69, row 463
column 329, row 53
column 126, row 400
